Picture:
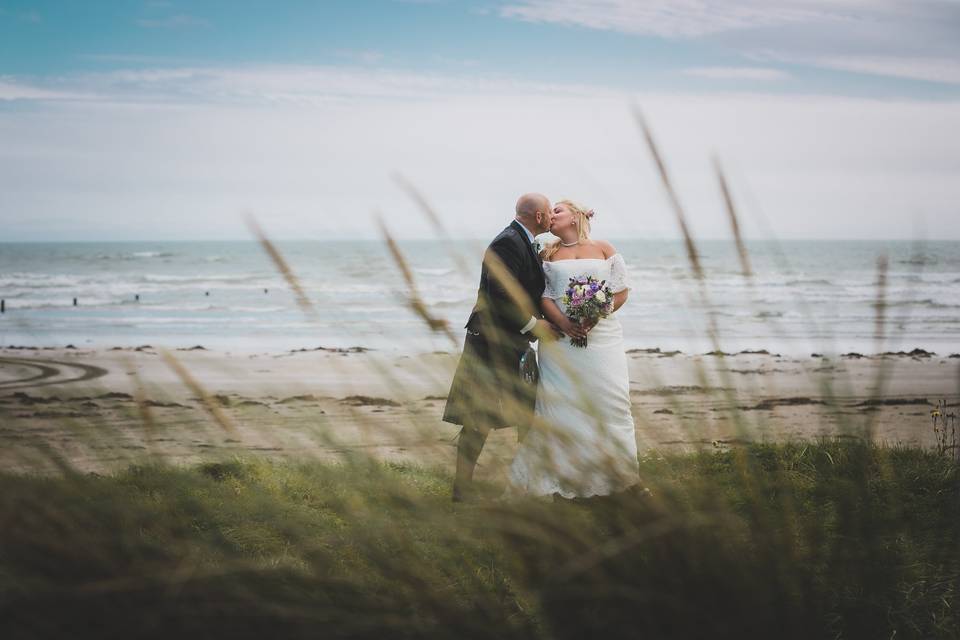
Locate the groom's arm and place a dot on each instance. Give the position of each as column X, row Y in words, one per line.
column 508, row 301
column 553, row 313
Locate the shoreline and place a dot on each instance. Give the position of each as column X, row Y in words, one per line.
column 915, row 352
column 101, row 409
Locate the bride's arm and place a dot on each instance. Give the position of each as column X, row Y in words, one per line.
column 619, row 298
column 553, row 313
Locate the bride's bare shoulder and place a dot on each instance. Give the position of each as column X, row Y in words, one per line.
column 551, row 248
column 607, row 248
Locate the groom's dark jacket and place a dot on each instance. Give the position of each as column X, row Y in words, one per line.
column 496, row 308
column 487, row 387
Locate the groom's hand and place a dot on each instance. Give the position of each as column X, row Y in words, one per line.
column 573, row 329
column 545, row 330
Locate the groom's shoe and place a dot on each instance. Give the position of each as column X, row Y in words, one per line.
column 464, row 493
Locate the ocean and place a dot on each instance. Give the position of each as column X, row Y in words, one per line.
column 804, row 296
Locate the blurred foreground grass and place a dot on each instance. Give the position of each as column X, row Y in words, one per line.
column 834, row 539
column 841, row 538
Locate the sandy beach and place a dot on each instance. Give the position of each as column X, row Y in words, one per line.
column 100, row 409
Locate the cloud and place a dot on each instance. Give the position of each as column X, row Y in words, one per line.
column 737, row 73
column 915, row 40
column 179, row 21
column 181, row 152
column 11, row 89
column 675, row 18
column 941, row 70
column 134, row 59
column 458, row 62
column 364, row 57
column 284, row 84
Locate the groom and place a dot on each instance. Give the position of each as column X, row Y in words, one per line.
column 487, row 391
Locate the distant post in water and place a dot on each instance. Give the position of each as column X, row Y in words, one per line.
column 74, row 302
column 3, row 306
column 136, row 297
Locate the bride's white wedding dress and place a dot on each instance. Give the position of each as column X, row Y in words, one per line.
column 582, row 442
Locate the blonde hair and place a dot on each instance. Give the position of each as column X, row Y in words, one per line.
column 581, row 216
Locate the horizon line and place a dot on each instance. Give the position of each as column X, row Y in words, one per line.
column 459, row 238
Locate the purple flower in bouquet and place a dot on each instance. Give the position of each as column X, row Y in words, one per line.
column 587, row 300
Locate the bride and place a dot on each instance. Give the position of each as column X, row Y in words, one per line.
column 582, row 442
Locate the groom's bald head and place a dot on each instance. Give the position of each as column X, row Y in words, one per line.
column 533, row 212
column 530, row 203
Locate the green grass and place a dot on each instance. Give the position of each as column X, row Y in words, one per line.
column 833, row 539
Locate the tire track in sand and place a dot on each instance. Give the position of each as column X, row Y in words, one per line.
column 50, row 372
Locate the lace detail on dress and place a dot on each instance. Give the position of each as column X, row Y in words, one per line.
column 554, row 288
column 573, row 454
column 522, row 484
column 618, row 274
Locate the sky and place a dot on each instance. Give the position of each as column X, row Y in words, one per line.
column 151, row 119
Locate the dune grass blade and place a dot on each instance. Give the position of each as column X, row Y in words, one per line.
column 414, row 300
column 678, row 211
column 734, row 219
column 433, row 217
column 303, row 301
column 209, row 402
column 145, row 413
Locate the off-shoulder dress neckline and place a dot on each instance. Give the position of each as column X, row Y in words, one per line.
column 579, row 259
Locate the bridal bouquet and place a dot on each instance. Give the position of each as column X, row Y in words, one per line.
column 587, row 301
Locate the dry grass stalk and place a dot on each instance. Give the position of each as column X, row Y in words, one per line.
column 140, row 397
column 505, row 279
column 879, row 335
column 302, row 300
column 209, row 402
column 738, row 422
column 307, row 306
column 734, row 223
column 431, row 214
column 421, row 200
column 945, row 430
column 692, row 254
column 881, row 303
column 415, row 301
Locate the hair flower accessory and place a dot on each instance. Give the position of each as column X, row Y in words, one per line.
column 589, row 214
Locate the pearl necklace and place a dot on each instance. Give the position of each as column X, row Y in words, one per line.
column 571, row 244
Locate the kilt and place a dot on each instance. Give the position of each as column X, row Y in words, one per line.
column 487, row 388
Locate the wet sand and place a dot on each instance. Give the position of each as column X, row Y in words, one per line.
column 97, row 410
